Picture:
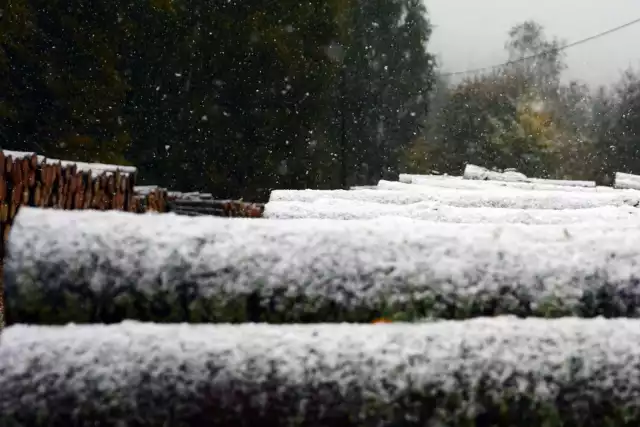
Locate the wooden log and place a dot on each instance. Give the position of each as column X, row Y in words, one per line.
column 4, row 212
column 37, row 195
column 5, row 233
column 16, row 195
column 8, row 162
column 16, row 171
column 88, row 197
column 73, row 184
column 410, row 264
column 419, row 363
column 33, row 161
column 13, row 208
column 31, row 178
column 111, row 184
column 25, row 169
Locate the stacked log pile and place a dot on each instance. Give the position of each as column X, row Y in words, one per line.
column 199, row 204
column 32, row 180
column 151, row 198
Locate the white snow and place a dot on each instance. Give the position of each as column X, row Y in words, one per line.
column 22, row 155
column 473, row 172
column 386, row 258
column 463, row 184
column 478, row 172
column 627, row 181
column 144, row 190
column 350, row 210
column 409, row 178
column 142, row 369
column 501, row 198
column 194, row 195
column 96, row 168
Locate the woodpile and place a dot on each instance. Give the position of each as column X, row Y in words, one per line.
column 32, row 180
column 199, row 204
column 150, row 198
column 158, row 199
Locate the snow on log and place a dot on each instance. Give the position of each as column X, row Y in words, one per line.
column 480, row 173
column 572, row 372
column 351, row 210
column 463, row 184
column 499, row 187
column 627, row 181
column 95, row 168
column 409, row 178
column 84, row 266
column 473, row 172
column 468, row 198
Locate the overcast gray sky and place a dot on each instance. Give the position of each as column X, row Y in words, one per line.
column 471, row 33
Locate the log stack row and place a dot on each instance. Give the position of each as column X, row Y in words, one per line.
column 32, row 180
column 158, row 199
column 193, row 206
column 151, row 198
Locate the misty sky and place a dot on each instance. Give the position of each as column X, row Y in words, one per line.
column 471, row 33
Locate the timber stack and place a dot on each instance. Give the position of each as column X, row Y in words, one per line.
column 200, row 204
column 150, row 198
column 33, row 180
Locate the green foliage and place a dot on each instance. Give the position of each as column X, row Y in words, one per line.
column 520, row 116
column 617, row 126
column 232, row 97
column 62, row 91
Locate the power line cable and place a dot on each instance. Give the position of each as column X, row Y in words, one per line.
column 567, row 46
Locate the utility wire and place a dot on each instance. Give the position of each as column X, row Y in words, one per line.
column 567, row 46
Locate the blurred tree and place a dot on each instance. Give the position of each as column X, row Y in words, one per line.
column 618, row 127
column 63, row 91
column 388, row 76
column 518, row 116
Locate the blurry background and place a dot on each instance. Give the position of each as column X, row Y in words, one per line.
column 238, row 98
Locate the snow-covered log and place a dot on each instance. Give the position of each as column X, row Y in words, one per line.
column 502, row 371
column 409, row 178
column 487, row 186
column 473, row 172
column 105, row 266
column 469, row 198
column 627, row 181
column 480, row 173
column 352, row 210
column 464, row 184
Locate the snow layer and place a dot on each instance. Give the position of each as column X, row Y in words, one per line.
column 473, row 172
column 145, row 190
column 350, row 210
column 501, row 198
column 256, row 374
column 96, row 168
column 22, row 154
column 349, row 263
column 409, row 178
column 480, row 173
column 627, row 181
